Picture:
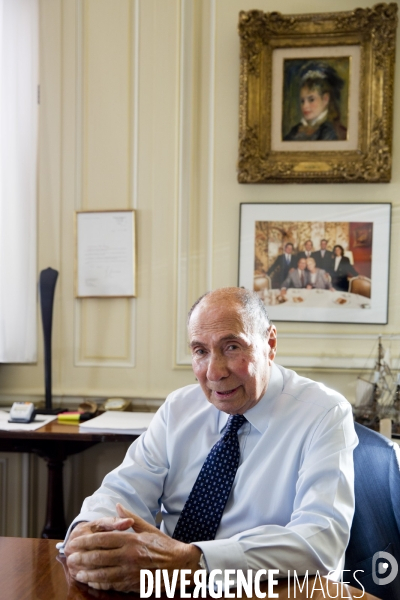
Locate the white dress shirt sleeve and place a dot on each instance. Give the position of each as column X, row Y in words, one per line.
column 137, row 483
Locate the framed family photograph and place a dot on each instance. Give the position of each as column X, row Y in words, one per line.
column 326, row 263
column 316, row 96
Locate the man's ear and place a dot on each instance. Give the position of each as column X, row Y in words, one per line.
column 272, row 341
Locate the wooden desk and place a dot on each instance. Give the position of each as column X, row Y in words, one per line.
column 31, row 570
column 54, row 443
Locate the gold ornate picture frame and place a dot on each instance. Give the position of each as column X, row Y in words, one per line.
column 351, row 139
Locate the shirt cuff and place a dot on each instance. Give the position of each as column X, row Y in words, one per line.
column 223, row 554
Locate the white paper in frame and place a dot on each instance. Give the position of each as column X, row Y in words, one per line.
column 105, row 254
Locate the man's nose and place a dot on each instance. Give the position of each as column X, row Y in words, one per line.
column 217, row 367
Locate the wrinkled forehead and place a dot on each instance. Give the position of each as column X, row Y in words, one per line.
column 218, row 315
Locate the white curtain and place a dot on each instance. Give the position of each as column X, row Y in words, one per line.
column 19, row 54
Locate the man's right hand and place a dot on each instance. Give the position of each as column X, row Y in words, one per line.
column 91, row 527
column 104, row 559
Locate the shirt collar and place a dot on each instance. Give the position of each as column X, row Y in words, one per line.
column 259, row 415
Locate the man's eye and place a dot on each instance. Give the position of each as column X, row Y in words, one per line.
column 233, row 347
column 199, row 352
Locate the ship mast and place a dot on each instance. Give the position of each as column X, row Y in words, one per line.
column 377, row 375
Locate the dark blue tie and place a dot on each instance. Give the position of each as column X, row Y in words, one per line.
column 201, row 515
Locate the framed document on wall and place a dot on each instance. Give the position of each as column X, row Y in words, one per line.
column 105, row 256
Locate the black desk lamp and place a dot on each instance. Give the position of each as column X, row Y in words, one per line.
column 47, row 285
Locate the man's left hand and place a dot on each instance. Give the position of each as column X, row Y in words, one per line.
column 113, row 559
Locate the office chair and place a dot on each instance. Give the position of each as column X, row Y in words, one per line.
column 376, row 523
column 360, row 286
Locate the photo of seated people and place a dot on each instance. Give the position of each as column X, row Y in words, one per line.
column 320, row 257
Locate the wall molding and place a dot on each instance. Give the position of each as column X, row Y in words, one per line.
column 130, row 360
column 333, row 361
column 189, row 160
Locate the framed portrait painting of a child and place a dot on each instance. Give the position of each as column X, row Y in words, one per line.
column 315, row 99
column 316, row 96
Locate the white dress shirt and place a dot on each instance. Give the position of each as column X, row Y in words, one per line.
column 337, row 262
column 292, row 501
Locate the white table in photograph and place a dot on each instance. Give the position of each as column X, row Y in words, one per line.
column 315, row 299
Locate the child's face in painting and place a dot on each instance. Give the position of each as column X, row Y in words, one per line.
column 312, row 103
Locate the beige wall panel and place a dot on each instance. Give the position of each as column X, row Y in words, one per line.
column 199, row 75
column 107, row 103
column 106, row 329
column 154, row 41
column 104, row 335
column 158, row 195
column 196, row 143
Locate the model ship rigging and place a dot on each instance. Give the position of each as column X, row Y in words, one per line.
column 378, row 397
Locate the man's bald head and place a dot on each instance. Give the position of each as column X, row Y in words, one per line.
column 252, row 308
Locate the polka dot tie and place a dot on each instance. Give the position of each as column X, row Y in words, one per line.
column 203, row 509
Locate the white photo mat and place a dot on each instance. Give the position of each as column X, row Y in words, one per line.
column 105, row 254
column 375, row 310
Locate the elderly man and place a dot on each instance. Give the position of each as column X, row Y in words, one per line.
column 284, row 497
column 317, row 278
column 297, row 278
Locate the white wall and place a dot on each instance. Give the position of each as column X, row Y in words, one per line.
column 139, row 109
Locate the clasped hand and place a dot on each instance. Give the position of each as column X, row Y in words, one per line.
column 104, row 555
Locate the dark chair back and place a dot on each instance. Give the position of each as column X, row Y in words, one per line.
column 376, row 524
